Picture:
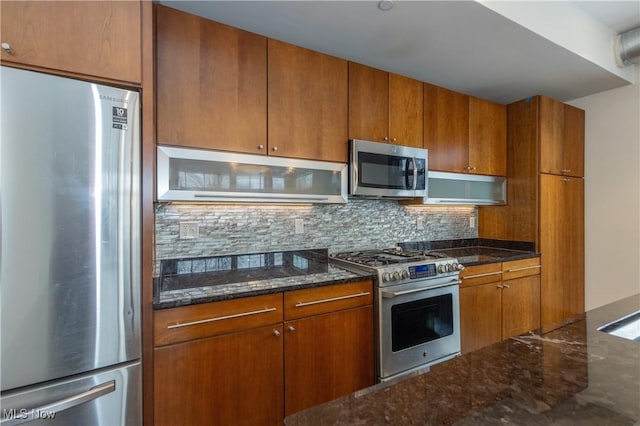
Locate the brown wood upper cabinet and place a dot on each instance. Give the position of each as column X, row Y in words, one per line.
column 384, row 107
column 446, row 129
column 211, row 84
column 487, row 137
column 94, row 38
column 561, row 138
column 464, row 134
column 307, row 106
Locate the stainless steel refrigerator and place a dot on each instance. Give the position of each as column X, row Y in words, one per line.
column 69, row 265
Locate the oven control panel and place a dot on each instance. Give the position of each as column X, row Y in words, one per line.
column 423, row 271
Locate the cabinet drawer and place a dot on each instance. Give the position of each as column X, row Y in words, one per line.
column 209, row 319
column 320, row 300
column 520, row 268
column 481, row 274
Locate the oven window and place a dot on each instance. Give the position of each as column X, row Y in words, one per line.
column 421, row 321
column 384, row 171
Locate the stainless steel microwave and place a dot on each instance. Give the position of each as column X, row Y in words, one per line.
column 381, row 170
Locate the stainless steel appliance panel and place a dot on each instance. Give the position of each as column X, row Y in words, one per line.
column 423, row 346
column 111, row 397
column 386, row 170
column 69, row 200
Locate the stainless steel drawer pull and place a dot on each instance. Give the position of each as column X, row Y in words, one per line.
column 61, row 405
column 488, row 274
column 392, row 294
column 243, row 314
column 333, row 299
column 524, row 269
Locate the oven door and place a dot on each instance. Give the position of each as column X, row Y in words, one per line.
column 417, row 326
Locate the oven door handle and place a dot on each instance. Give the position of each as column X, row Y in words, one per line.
column 392, row 294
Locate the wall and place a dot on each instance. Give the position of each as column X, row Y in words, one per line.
column 612, row 194
column 360, row 224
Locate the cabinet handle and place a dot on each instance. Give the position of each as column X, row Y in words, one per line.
column 566, row 180
column 333, row 299
column 243, row 314
column 394, row 140
column 499, row 286
column 506, row 286
column 488, row 274
column 524, row 269
column 276, row 333
column 386, row 139
column 275, row 148
column 470, row 169
column 7, row 48
column 563, row 171
column 260, row 146
column 292, row 329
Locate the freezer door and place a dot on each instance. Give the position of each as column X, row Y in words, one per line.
column 69, row 212
column 110, row 398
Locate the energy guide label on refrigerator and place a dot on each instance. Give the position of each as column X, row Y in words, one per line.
column 120, row 118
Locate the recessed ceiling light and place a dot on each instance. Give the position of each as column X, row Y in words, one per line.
column 385, row 5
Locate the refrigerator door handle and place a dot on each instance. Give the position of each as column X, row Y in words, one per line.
column 62, row 405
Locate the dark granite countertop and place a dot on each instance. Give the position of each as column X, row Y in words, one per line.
column 190, row 281
column 575, row 375
column 477, row 251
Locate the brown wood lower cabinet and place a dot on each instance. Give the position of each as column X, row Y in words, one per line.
column 254, row 360
column 480, row 316
column 327, row 356
column 498, row 301
column 231, row 379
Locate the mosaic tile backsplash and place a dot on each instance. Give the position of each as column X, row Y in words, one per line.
column 359, row 224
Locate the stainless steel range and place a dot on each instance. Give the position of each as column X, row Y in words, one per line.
column 417, row 312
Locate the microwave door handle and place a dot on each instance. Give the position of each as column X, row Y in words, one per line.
column 407, row 173
column 415, row 173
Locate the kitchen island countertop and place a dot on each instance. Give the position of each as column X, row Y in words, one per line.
column 575, row 375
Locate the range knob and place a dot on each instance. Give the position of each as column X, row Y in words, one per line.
column 459, row 266
column 442, row 268
column 405, row 274
column 386, row 276
column 396, row 275
column 450, row 267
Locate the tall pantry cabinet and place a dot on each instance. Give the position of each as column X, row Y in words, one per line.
column 545, row 196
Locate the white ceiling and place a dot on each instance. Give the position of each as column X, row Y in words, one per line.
column 498, row 50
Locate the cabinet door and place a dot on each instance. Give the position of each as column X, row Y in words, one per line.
column 573, row 137
column 212, row 84
column 230, row 379
column 562, row 248
column 480, row 316
column 520, row 305
column 551, row 116
column 573, row 258
column 487, row 137
column 307, row 103
column 446, row 129
column 405, row 111
column 327, row 356
column 93, row 38
column 368, row 103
